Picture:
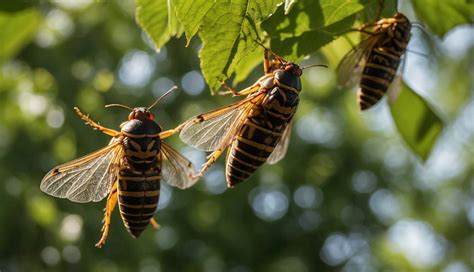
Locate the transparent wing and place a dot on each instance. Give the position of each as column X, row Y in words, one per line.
column 214, row 129
column 351, row 66
column 177, row 171
column 280, row 149
column 88, row 178
column 394, row 89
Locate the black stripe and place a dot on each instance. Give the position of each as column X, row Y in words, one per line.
column 131, row 224
column 138, row 186
column 131, row 217
column 138, row 200
column 377, row 72
column 240, row 168
column 250, row 150
column 136, row 210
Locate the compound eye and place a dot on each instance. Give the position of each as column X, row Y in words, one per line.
column 151, row 116
column 131, row 116
column 289, row 68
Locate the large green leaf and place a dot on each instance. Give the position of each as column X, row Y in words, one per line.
column 247, row 64
column 158, row 19
column 417, row 123
column 191, row 14
column 229, row 33
column 16, row 30
column 454, row 12
column 309, row 26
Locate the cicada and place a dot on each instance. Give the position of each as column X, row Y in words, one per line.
column 255, row 129
column 128, row 170
column 373, row 63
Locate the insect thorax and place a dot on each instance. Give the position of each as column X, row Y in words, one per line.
column 288, row 80
column 141, row 143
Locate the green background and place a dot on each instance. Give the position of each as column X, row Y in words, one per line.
column 349, row 196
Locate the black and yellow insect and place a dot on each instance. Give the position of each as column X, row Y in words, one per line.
column 128, row 170
column 373, row 63
column 254, row 130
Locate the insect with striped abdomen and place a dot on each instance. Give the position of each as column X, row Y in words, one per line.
column 373, row 63
column 128, row 170
column 254, row 130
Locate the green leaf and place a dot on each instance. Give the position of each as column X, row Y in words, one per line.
column 337, row 10
column 16, row 30
column 229, row 33
column 191, row 14
column 158, row 19
column 246, row 65
column 454, row 12
column 309, row 26
column 418, row 125
column 373, row 13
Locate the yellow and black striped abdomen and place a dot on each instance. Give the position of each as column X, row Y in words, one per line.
column 382, row 64
column 139, row 176
column 259, row 134
column 378, row 74
column 138, row 195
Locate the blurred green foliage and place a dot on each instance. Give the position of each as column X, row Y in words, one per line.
column 348, row 196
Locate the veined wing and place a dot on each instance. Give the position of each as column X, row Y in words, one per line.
column 349, row 70
column 215, row 129
column 176, row 170
column 280, row 149
column 88, row 178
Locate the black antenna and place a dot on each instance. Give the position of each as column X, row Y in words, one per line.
column 118, row 105
column 315, row 65
column 161, row 97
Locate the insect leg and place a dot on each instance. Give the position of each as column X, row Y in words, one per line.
column 171, row 132
column 109, row 207
column 154, row 224
column 249, row 90
column 266, row 61
column 211, row 159
column 108, row 131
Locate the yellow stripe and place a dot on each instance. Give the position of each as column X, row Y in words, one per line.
column 242, row 162
column 377, row 91
column 138, row 214
column 140, row 194
column 273, row 133
column 128, row 178
column 250, row 155
column 379, row 80
column 381, row 67
column 140, row 206
column 235, row 177
column 279, row 115
column 382, row 51
column 136, row 221
column 257, row 145
column 363, row 96
column 157, row 135
column 287, row 87
column 239, row 170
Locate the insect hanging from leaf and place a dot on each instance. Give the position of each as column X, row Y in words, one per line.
column 373, row 63
column 254, row 130
column 128, row 170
